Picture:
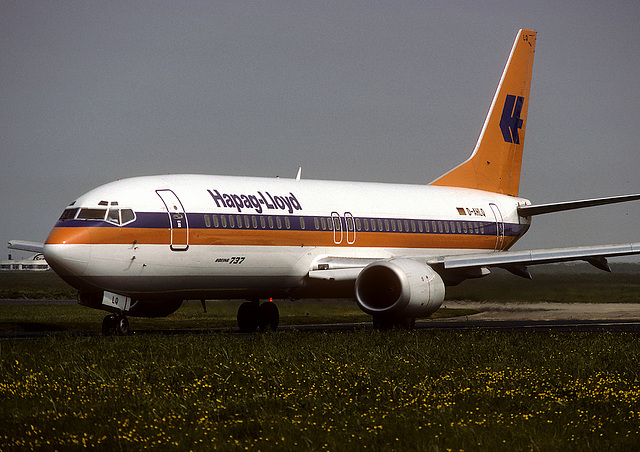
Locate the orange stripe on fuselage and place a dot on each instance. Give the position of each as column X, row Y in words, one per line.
column 252, row 237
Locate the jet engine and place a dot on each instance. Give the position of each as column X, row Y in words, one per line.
column 399, row 288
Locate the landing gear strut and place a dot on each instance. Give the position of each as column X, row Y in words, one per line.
column 253, row 315
column 115, row 324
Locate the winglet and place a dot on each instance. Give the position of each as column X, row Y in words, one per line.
column 495, row 162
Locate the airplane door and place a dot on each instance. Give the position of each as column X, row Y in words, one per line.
column 499, row 225
column 177, row 220
column 351, row 229
column 337, row 228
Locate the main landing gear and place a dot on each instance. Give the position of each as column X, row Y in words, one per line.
column 115, row 324
column 253, row 315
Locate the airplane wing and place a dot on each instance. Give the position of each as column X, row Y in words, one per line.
column 33, row 247
column 343, row 269
column 516, row 261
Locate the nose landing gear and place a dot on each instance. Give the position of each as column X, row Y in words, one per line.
column 253, row 315
column 115, row 324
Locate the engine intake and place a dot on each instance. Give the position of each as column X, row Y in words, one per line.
column 399, row 288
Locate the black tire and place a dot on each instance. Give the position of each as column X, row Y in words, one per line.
column 382, row 322
column 269, row 316
column 109, row 325
column 248, row 317
column 122, row 326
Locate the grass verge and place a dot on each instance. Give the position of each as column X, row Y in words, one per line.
column 363, row 390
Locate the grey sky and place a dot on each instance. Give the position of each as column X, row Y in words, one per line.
column 91, row 92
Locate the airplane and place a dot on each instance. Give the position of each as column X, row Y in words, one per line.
column 143, row 245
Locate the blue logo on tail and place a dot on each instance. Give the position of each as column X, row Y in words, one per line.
column 510, row 121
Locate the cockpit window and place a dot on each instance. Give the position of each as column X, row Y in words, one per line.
column 92, row 214
column 127, row 216
column 120, row 216
column 69, row 214
column 113, row 216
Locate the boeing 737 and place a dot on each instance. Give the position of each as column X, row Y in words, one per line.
column 141, row 246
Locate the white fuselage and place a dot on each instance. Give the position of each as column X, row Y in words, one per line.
column 196, row 236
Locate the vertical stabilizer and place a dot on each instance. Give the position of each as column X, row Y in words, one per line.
column 495, row 162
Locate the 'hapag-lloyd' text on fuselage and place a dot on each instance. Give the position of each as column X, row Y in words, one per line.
column 259, row 202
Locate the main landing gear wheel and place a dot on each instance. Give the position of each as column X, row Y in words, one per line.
column 114, row 324
column 382, row 322
column 252, row 315
column 269, row 316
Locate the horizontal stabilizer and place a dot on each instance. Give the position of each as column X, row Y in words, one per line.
column 528, row 211
column 33, row 247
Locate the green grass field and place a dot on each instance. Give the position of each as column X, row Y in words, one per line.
column 295, row 390
column 364, row 390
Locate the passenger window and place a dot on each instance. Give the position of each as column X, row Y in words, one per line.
column 373, row 225
column 246, row 221
column 400, row 225
column 207, row 221
column 270, row 219
column 446, row 227
column 458, row 227
column 316, row 223
column 475, row 227
column 433, row 226
column 440, row 227
column 393, row 225
column 464, row 227
column 426, row 226
column 366, row 224
column 232, row 222
column 301, row 223
column 386, row 225
column 287, row 223
column 254, row 222
column 358, row 224
column 421, row 227
column 279, row 222
column 349, row 221
column 481, row 228
column 323, row 223
column 379, row 225
column 223, row 220
column 216, row 222
column 263, row 224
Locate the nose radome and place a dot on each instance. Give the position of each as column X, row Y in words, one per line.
column 67, row 260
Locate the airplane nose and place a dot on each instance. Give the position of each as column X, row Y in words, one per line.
column 66, row 259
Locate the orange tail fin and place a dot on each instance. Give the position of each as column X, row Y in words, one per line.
column 495, row 162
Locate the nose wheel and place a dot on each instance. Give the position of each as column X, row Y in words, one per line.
column 115, row 325
column 253, row 315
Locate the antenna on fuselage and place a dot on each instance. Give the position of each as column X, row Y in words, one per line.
column 299, row 175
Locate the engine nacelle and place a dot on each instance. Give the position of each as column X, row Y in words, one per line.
column 399, row 288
